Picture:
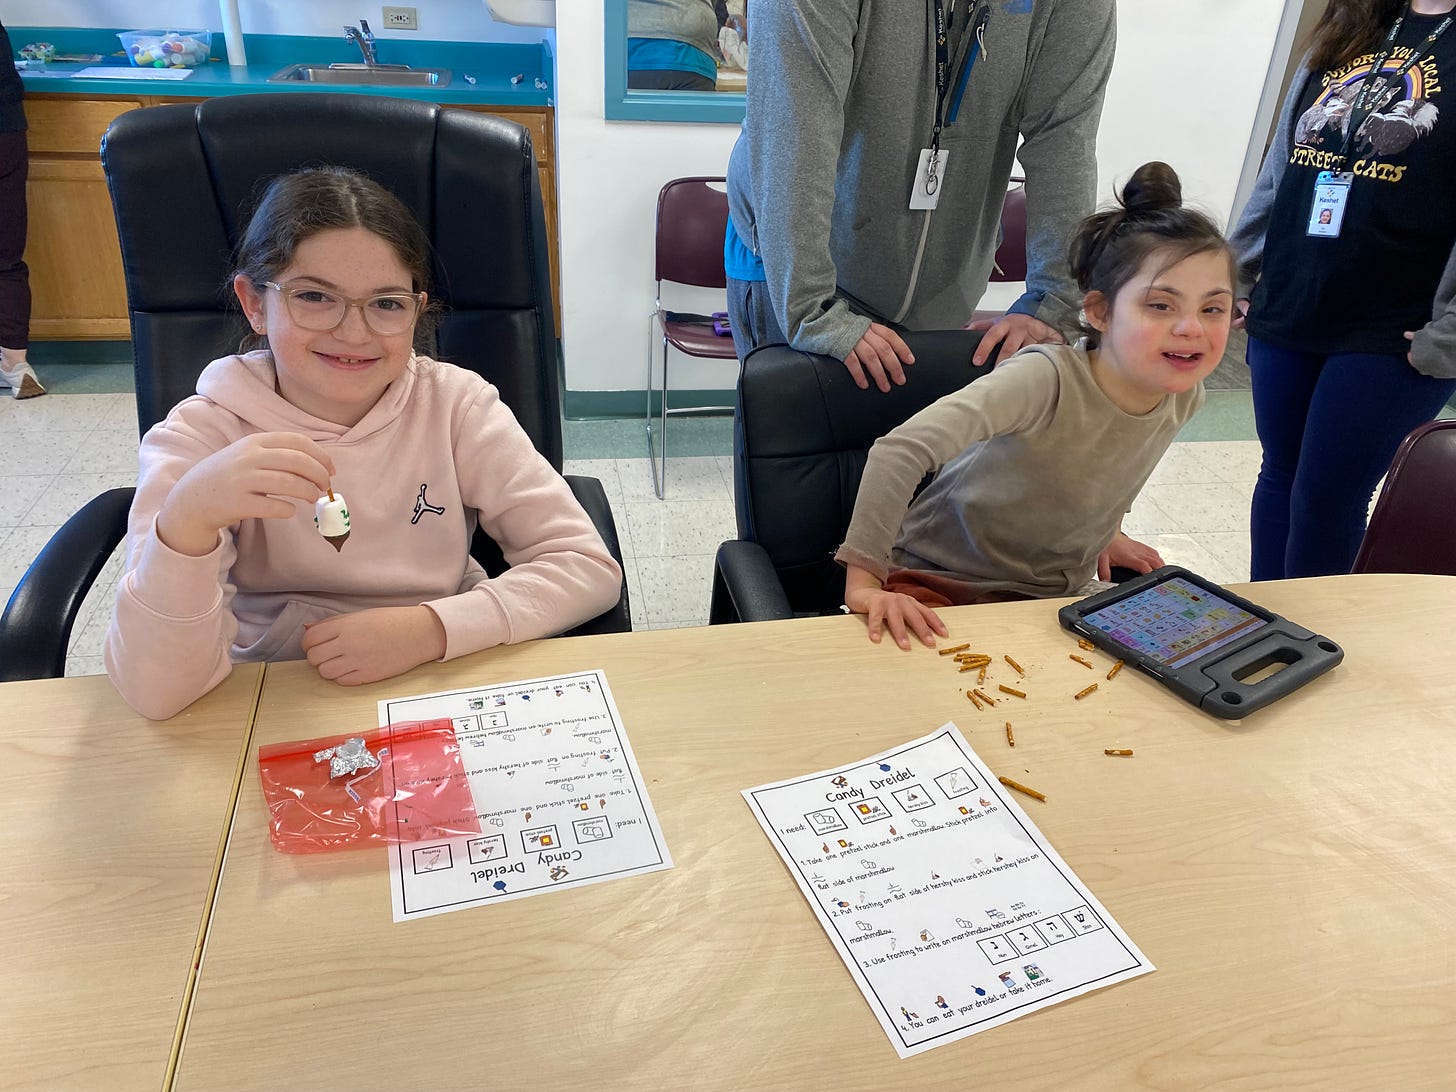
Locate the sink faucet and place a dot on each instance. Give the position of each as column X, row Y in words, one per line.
column 362, row 37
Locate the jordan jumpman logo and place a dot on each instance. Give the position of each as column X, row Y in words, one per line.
column 422, row 506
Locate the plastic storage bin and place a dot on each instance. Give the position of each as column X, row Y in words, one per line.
column 167, row 48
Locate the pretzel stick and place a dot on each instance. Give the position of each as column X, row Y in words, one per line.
column 1019, row 787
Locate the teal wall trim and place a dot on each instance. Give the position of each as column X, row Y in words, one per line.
column 81, row 352
column 619, row 105
column 594, row 405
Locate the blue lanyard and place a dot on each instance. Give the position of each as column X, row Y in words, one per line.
column 972, row 46
column 977, row 38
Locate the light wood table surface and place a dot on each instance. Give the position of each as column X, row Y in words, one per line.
column 1293, row 877
column 112, row 832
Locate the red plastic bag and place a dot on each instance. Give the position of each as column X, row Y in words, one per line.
column 401, row 783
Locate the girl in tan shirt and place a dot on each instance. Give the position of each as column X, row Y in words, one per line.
column 1037, row 462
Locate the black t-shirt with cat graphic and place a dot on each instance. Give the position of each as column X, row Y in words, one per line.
column 1360, row 292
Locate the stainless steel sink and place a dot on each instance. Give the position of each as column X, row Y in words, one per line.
column 379, row 75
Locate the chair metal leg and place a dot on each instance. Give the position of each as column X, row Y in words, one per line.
column 659, row 475
column 647, row 415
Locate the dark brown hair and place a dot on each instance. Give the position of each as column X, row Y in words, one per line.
column 299, row 205
column 1110, row 246
column 1349, row 29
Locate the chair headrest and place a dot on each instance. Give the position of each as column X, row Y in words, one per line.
column 804, row 431
column 796, row 403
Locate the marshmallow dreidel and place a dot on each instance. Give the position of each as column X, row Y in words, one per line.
column 331, row 514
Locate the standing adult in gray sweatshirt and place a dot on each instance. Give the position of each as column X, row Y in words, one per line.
column 824, row 250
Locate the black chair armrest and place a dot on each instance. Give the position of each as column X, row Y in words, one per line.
column 35, row 629
column 745, row 586
column 592, row 497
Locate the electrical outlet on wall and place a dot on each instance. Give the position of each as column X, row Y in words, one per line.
column 401, row 19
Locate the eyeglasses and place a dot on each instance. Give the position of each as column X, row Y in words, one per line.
column 322, row 311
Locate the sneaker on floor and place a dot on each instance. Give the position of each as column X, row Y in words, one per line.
column 22, row 382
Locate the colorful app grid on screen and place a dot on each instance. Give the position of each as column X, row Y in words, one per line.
column 1175, row 622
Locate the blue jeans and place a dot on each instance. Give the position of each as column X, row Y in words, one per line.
column 1330, row 426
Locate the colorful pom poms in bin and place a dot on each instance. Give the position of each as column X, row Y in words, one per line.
column 37, row 51
column 167, row 49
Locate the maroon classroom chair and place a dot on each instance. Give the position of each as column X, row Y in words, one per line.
column 692, row 217
column 1413, row 526
column 1010, row 261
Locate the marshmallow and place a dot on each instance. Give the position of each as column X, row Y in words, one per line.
column 332, row 518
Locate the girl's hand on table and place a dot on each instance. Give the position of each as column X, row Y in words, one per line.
column 902, row 614
column 1127, row 553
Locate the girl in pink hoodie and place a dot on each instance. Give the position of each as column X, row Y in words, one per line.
column 225, row 562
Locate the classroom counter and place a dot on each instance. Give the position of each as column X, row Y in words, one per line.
column 505, row 74
column 78, row 288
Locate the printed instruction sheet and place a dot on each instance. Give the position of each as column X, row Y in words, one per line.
column 560, row 798
column 948, row 906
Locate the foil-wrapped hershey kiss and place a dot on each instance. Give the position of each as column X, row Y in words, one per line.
column 348, row 757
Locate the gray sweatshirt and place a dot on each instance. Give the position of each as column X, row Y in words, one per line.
column 841, row 100
column 1433, row 352
column 1036, row 468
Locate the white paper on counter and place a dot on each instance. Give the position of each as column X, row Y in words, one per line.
column 561, row 800
column 951, row 910
column 117, row 72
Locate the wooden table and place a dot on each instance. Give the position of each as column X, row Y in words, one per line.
column 113, row 829
column 1293, row 877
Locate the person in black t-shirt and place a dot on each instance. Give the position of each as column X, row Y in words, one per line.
column 1347, row 254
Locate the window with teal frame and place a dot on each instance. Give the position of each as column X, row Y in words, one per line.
column 621, row 104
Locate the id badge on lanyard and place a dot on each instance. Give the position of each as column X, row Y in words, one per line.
column 929, row 177
column 930, row 169
column 1331, row 196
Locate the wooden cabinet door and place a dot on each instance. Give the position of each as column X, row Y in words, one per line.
column 77, row 287
column 76, row 281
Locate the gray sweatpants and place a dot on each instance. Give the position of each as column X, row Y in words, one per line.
column 751, row 316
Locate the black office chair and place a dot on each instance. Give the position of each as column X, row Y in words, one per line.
column 183, row 179
column 803, row 431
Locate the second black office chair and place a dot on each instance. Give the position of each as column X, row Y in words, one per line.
column 182, row 181
column 803, row 433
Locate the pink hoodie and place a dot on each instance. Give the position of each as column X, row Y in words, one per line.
column 436, row 454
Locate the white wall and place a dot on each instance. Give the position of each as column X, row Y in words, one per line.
column 608, row 175
column 440, row 20
column 1185, row 89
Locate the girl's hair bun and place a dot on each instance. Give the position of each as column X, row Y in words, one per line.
column 1111, row 245
column 1153, row 187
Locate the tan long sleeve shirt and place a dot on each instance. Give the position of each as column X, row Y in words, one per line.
column 1036, row 467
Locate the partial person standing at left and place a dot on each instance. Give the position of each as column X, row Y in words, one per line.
column 15, row 372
